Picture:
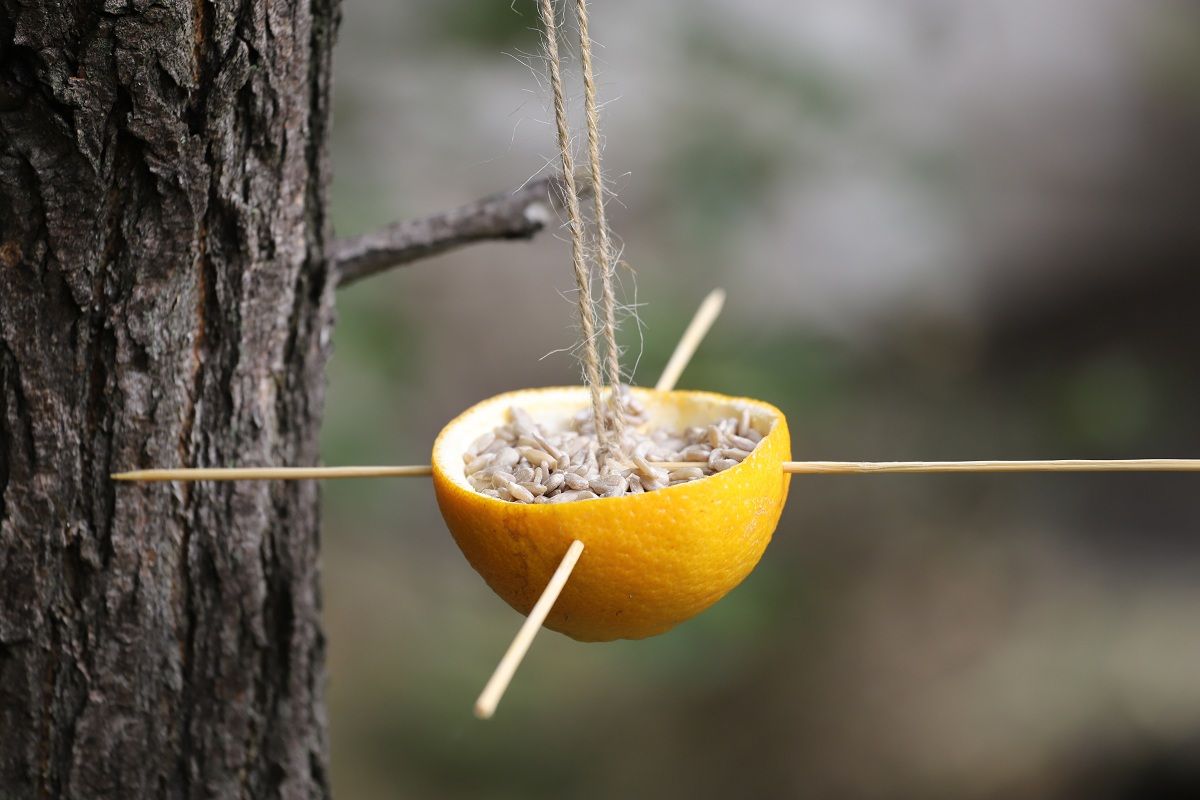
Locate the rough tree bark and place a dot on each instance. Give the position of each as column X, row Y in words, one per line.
column 164, row 299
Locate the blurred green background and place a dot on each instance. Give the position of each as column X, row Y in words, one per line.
column 948, row 230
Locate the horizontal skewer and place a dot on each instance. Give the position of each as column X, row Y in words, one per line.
column 273, row 473
column 1053, row 465
column 794, row 467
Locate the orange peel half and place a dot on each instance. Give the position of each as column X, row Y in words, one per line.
column 650, row 561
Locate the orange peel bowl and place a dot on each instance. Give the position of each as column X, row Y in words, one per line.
column 650, row 561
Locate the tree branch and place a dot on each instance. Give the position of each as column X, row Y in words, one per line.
column 507, row 215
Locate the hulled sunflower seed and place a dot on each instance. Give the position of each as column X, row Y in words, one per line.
column 574, row 481
column 538, row 458
column 685, row 474
column 478, row 463
column 741, row 442
column 519, row 492
column 507, row 457
column 481, row 444
column 608, row 485
column 567, row 497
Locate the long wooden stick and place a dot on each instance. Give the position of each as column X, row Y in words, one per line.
column 1055, row 465
column 794, row 467
column 273, row 473
column 489, row 698
column 706, row 315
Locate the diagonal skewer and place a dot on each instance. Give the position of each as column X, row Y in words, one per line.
column 696, row 330
column 489, row 698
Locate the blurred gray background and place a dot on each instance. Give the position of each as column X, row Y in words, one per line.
column 948, row 230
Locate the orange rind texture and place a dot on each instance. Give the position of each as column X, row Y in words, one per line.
column 650, row 560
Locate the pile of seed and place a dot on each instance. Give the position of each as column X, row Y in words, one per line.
column 521, row 462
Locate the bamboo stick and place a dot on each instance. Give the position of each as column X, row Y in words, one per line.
column 1054, row 465
column 705, row 316
column 489, row 698
column 273, row 473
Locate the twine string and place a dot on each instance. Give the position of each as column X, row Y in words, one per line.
column 587, row 318
column 616, row 416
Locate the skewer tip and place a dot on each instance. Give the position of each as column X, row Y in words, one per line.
column 496, row 686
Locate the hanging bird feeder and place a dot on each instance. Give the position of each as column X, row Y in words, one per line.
column 652, row 559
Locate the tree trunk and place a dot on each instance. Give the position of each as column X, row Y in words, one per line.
column 164, row 300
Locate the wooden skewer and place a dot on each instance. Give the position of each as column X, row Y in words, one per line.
column 272, row 473
column 1055, row 465
column 794, row 467
column 706, row 315
column 489, row 698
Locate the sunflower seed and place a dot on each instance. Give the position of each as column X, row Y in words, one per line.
column 507, row 457
column 537, row 457
column 685, row 474
column 714, row 436
column 574, row 481
column 519, row 492
column 608, row 485
column 476, row 464
column 741, row 442
column 694, row 452
column 481, row 443
column 567, row 497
